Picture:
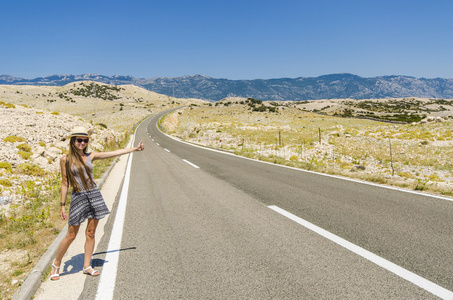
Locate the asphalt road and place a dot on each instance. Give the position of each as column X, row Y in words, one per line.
column 198, row 226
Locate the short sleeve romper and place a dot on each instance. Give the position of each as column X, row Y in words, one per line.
column 86, row 204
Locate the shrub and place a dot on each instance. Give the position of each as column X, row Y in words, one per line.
column 30, row 169
column 42, row 144
column 6, row 166
column 14, row 139
column 421, row 185
column 24, row 154
column 5, row 182
column 24, row 147
column 102, row 125
column 8, row 105
column 56, row 113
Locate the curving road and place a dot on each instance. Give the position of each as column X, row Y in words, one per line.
column 198, row 225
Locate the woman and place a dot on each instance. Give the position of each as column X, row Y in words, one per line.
column 86, row 199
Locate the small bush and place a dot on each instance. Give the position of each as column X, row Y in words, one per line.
column 14, row 139
column 56, row 113
column 30, row 169
column 24, row 154
column 8, row 105
column 24, row 147
column 102, row 125
column 6, row 166
column 42, row 144
column 5, row 182
column 421, row 185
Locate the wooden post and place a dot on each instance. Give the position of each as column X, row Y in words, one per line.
column 319, row 135
column 279, row 138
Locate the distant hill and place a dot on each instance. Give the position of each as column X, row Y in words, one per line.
column 334, row 86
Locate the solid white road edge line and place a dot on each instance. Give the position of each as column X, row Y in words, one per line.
column 308, row 171
column 401, row 272
column 193, row 165
column 108, row 276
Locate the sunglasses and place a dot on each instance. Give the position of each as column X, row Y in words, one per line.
column 82, row 140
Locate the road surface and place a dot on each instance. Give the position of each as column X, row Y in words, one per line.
column 201, row 224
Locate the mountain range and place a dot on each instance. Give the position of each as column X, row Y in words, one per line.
column 333, row 86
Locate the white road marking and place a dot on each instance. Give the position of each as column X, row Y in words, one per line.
column 193, row 165
column 308, row 171
column 108, row 275
column 401, row 272
column 157, row 144
column 166, row 150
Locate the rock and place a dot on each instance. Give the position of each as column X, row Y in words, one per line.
column 358, row 168
column 4, row 200
column 38, row 151
column 42, row 162
column 52, row 153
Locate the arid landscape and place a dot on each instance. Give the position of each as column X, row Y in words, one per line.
column 35, row 123
column 405, row 142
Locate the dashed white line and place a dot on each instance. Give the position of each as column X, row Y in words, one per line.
column 157, row 144
column 193, row 165
column 166, row 150
column 401, row 272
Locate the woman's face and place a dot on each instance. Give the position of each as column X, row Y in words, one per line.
column 81, row 142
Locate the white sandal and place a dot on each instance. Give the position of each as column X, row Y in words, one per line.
column 55, row 276
column 92, row 272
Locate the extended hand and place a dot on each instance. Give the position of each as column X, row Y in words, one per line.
column 140, row 146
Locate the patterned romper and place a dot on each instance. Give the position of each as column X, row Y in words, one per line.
column 86, row 204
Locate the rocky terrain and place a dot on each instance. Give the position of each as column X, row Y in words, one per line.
column 318, row 135
column 39, row 138
column 333, row 86
column 344, row 137
column 35, row 122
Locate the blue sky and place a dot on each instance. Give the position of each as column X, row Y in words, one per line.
column 232, row 39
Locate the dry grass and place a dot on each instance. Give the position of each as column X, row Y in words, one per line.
column 349, row 147
column 27, row 230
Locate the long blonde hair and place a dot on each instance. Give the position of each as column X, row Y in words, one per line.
column 75, row 159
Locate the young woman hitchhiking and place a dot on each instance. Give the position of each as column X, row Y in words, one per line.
column 86, row 199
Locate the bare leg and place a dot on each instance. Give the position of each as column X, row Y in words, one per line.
column 64, row 245
column 89, row 243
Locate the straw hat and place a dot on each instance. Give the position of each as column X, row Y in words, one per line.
column 78, row 131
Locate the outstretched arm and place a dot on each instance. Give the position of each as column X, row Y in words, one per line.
column 104, row 155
